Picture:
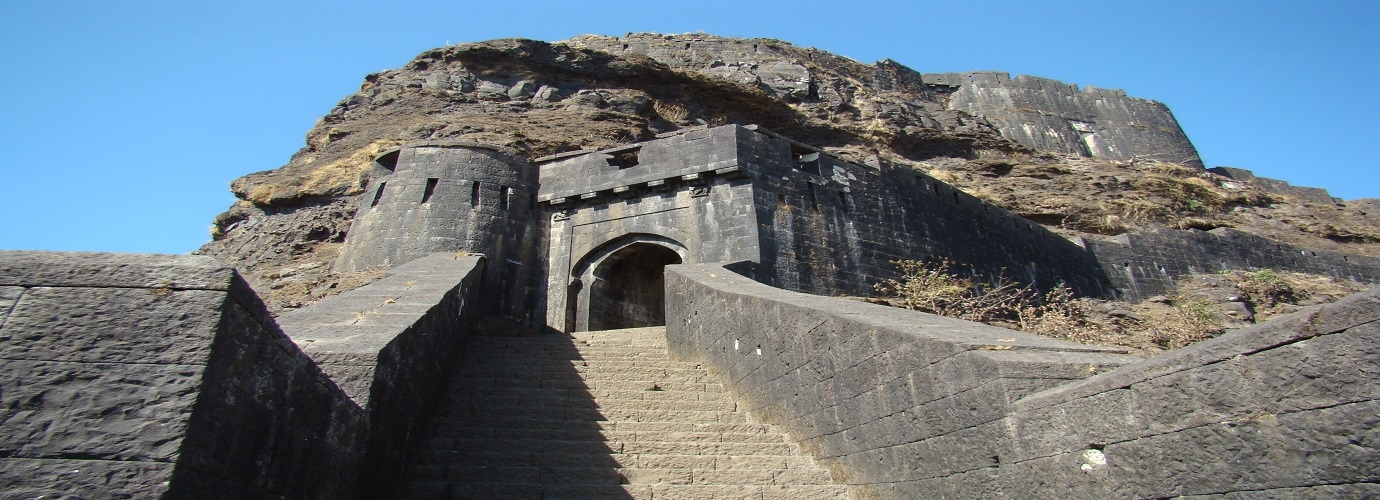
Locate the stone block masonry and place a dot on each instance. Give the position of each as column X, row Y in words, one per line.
column 391, row 346
column 910, row 405
column 1140, row 265
column 135, row 376
column 141, row 376
column 1054, row 116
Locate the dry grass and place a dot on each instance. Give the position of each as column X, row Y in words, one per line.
column 346, row 176
column 671, row 111
column 1146, row 328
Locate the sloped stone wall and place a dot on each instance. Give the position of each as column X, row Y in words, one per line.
column 1051, row 115
column 391, row 346
column 134, row 376
column 143, row 376
column 1139, row 265
column 910, row 405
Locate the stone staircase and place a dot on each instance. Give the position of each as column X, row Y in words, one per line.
column 602, row 415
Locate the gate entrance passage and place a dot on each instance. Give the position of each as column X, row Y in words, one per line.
column 629, row 288
column 623, row 285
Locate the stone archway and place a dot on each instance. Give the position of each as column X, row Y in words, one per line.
column 622, row 284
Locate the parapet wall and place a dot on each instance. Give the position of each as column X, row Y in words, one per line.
column 391, row 346
column 1144, row 264
column 159, row 376
column 1055, row 116
column 135, row 376
column 910, row 405
column 1307, row 194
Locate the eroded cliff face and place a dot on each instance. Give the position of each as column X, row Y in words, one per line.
column 538, row 98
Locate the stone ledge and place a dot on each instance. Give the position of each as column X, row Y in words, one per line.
column 113, row 270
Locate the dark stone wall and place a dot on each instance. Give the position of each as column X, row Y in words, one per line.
column 1054, row 116
column 830, row 227
column 881, row 395
column 910, row 405
column 686, row 193
column 1307, row 194
column 140, row 376
column 461, row 197
column 1285, row 409
column 135, row 376
column 1144, row 264
column 391, row 345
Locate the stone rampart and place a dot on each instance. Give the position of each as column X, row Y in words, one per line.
column 140, row 376
column 1054, row 116
column 391, row 346
column 134, row 376
column 1144, row 264
column 882, row 395
column 910, row 405
column 1307, row 194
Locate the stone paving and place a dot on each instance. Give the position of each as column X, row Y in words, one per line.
column 602, row 415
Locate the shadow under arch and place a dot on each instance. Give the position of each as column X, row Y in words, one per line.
column 621, row 283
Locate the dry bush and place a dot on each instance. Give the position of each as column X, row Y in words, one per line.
column 1266, row 288
column 1187, row 322
column 670, row 111
column 932, row 288
column 1060, row 315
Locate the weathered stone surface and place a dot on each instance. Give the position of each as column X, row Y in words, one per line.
column 32, row 268
column 81, row 324
column 390, row 346
column 1144, row 264
column 1308, row 194
column 522, row 89
column 108, row 411
column 928, row 410
column 888, row 400
column 29, row 479
column 1051, row 115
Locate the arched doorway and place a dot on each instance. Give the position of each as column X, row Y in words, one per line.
column 622, row 285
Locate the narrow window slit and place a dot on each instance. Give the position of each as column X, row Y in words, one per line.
column 378, row 194
column 430, row 189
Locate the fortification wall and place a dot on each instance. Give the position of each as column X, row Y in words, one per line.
column 1055, row 116
column 391, row 346
column 142, row 376
column 135, row 376
column 460, row 197
column 1307, row 194
column 684, row 192
column 1144, row 264
column 909, row 405
column 829, row 227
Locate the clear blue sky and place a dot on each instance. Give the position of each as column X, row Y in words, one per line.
column 124, row 122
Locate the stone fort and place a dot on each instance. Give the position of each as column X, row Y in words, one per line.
column 164, row 376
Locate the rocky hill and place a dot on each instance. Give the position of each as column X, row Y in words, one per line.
column 1086, row 162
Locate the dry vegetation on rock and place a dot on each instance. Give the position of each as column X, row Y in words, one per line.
column 599, row 97
column 1204, row 307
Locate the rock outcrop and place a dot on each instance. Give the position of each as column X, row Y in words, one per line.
column 1085, row 162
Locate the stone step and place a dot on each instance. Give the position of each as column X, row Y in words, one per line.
column 596, row 414
column 670, row 382
column 590, row 403
column 504, row 424
column 627, row 446
column 583, row 372
column 601, row 475
column 601, row 415
column 584, row 393
column 461, row 431
column 593, row 458
column 523, row 365
column 536, row 491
